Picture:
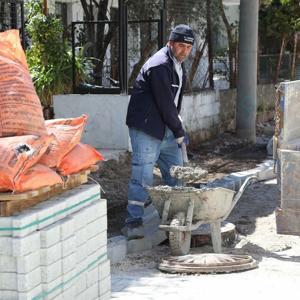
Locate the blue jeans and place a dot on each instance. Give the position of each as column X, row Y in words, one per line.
column 146, row 152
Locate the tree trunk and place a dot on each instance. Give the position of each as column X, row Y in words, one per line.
column 144, row 55
column 210, row 46
column 293, row 71
column 196, row 61
column 283, row 39
column 231, row 47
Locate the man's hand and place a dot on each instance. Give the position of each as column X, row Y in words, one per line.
column 180, row 140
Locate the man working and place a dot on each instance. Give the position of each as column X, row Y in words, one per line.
column 154, row 123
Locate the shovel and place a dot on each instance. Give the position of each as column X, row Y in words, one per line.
column 184, row 154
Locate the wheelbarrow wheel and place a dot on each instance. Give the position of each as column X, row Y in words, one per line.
column 180, row 241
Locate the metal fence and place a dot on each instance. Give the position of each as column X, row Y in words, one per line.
column 113, row 54
column 268, row 64
column 12, row 16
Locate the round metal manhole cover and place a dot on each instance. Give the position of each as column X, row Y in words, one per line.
column 207, row 263
column 201, row 236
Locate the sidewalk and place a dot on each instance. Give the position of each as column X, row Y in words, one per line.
column 278, row 256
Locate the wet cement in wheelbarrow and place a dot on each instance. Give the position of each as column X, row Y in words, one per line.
column 219, row 157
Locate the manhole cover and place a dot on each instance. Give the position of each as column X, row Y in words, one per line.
column 201, row 236
column 207, row 263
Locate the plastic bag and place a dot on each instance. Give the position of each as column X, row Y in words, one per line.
column 67, row 136
column 36, row 177
column 20, row 107
column 80, row 158
column 17, row 155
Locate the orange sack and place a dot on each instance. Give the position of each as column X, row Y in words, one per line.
column 17, row 155
column 69, row 121
column 67, row 136
column 20, row 108
column 36, row 177
column 81, row 157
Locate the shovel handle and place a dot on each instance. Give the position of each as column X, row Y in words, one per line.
column 184, row 153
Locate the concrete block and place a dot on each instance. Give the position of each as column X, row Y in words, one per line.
column 25, row 245
column 147, row 242
column 51, row 255
column 79, row 220
column 80, row 283
column 5, row 226
column 51, row 272
column 68, row 246
column 52, row 289
column 20, row 264
column 266, row 173
column 95, row 227
column 72, row 201
column 82, row 196
column 100, row 255
column 15, row 295
column 25, row 222
column 117, row 248
column 287, row 221
column 20, row 282
column 290, row 170
column 92, row 276
column 70, row 293
column 95, row 210
column 291, row 126
column 68, row 279
column 92, row 260
column 104, row 269
column 106, row 296
column 81, row 253
column 96, row 242
column 50, row 235
column 69, row 263
column 90, row 293
column 19, row 246
column 49, row 212
column 139, row 245
column 66, row 228
column 104, row 285
column 80, row 236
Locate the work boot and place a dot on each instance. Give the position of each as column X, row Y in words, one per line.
column 134, row 230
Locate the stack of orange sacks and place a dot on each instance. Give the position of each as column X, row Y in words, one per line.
column 34, row 153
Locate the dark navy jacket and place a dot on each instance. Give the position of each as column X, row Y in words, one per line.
column 151, row 107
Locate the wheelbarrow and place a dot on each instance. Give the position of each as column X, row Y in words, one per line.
column 184, row 209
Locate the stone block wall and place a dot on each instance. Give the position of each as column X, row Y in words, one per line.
column 205, row 114
column 57, row 249
column 265, row 106
column 200, row 114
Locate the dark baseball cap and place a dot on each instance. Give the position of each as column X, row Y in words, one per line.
column 182, row 33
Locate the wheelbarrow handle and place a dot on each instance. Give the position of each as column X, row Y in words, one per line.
column 247, row 182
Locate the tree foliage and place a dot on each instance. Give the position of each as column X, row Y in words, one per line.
column 278, row 18
column 49, row 56
column 279, row 24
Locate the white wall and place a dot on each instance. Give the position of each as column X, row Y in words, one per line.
column 200, row 111
column 106, row 126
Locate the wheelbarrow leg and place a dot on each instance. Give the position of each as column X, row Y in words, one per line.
column 215, row 228
column 165, row 212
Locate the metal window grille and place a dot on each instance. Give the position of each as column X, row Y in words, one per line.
column 12, row 16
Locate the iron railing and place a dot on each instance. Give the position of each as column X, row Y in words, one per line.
column 114, row 51
column 12, row 16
